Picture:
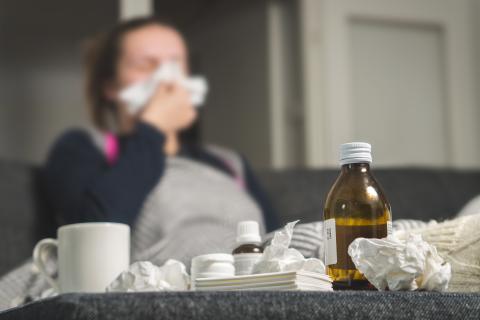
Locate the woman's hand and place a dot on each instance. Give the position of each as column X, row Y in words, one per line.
column 170, row 109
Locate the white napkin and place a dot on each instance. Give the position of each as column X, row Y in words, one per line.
column 138, row 94
column 145, row 276
column 278, row 257
column 408, row 264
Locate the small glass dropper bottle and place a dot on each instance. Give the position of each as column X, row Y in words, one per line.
column 249, row 249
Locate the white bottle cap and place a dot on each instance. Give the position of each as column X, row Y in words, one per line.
column 248, row 232
column 355, row 152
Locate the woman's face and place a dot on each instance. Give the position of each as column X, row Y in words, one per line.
column 146, row 48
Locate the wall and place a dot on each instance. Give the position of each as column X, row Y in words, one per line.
column 41, row 82
column 399, row 74
column 230, row 45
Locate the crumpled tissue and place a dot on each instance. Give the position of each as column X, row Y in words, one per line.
column 137, row 95
column 145, row 276
column 408, row 264
column 278, row 257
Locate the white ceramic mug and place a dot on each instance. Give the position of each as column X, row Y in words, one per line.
column 90, row 256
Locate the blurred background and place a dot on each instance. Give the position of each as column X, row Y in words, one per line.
column 290, row 80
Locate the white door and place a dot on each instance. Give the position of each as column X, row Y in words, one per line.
column 396, row 73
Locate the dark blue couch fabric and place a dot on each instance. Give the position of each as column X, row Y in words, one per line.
column 254, row 305
column 414, row 193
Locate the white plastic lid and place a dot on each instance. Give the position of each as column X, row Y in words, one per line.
column 212, row 265
column 355, row 152
column 212, row 257
column 248, row 232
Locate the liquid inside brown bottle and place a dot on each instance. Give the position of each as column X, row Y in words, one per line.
column 356, row 206
column 248, row 248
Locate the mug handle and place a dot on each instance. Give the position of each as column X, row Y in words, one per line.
column 40, row 255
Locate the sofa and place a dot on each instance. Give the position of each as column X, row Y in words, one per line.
column 414, row 193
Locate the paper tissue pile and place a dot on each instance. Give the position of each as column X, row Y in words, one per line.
column 138, row 94
column 278, row 257
column 145, row 276
column 408, row 264
column 279, row 268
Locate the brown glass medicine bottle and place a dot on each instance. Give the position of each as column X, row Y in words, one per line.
column 356, row 206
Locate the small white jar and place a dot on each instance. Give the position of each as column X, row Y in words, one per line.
column 216, row 265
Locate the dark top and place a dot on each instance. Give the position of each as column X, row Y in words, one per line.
column 81, row 186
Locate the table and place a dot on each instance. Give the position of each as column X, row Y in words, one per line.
column 253, row 305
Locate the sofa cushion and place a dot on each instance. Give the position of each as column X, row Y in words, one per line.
column 414, row 193
column 17, row 214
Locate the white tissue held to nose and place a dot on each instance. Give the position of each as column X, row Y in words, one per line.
column 137, row 95
column 397, row 264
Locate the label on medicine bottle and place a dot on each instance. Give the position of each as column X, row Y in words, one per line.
column 330, row 242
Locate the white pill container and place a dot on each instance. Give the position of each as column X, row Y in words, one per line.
column 215, row 265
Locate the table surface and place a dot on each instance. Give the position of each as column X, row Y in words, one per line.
column 253, row 305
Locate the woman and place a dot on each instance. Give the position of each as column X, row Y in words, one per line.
column 147, row 169
column 168, row 189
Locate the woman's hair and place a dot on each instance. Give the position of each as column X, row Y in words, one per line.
column 101, row 59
